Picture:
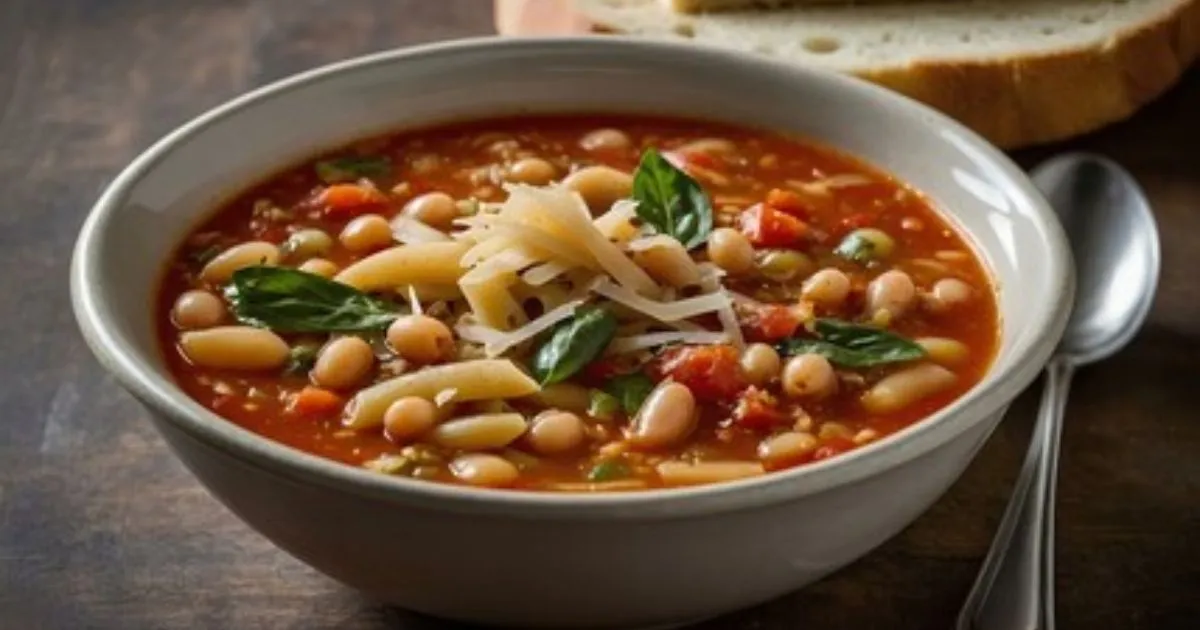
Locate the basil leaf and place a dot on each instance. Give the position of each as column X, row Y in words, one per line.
column 853, row 345
column 603, row 405
column 288, row 300
column 608, row 471
column 670, row 201
column 352, row 168
column 574, row 344
column 631, row 390
column 857, row 248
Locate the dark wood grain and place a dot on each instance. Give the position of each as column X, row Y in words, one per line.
column 101, row 528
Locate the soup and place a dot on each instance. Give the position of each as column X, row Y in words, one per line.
column 578, row 303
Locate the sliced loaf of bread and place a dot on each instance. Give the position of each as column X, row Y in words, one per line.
column 1020, row 72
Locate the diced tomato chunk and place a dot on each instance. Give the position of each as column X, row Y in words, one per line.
column 315, row 402
column 767, row 226
column 770, row 322
column 788, row 201
column 344, row 201
column 601, row 370
column 833, row 446
column 757, row 409
column 713, row 373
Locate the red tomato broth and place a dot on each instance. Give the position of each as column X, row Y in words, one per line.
column 443, row 159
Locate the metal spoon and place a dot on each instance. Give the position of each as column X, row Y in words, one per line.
column 1115, row 244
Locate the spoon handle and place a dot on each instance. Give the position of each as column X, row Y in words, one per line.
column 1015, row 586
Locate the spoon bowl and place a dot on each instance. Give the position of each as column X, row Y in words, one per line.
column 1114, row 240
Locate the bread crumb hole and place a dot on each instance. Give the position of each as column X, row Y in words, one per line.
column 1049, row 30
column 684, row 29
column 821, row 45
column 965, row 38
column 887, row 37
column 1089, row 19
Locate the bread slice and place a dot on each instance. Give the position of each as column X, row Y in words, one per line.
column 712, row 6
column 1019, row 72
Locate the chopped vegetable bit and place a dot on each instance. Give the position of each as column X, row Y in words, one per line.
column 608, row 470
column 712, row 373
column 786, row 200
column 352, row 168
column 603, row 405
column 630, row 390
column 389, row 464
column 345, row 201
column 857, row 248
column 314, row 402
column 301, row 358
column 758, row 409
column 769, row 322
column 767, row 226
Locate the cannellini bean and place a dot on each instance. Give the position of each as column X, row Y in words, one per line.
column 220, row 269
column 760, row 364
column 343, row 363
column 901, row 389
column 481, row 432
column 948, row 294
column 809, row 376
column 667, row 261
column 730, row 250
column 827, row 287
column 666, row 417
column 435, row 208
column 420, row 339
column 892, row 291
column 408, row 418
column 554, row 431
column 944, row 351
column 308, row 243
column 830, row 430
column 366, row 233
column 600, row 186
column 881, row 243
column 684, row 474
column 319, row 267
column 533, row 171
column 786, row 449
column 482, row 469
column 605, row 140
column 234, row 348
column 197, row 309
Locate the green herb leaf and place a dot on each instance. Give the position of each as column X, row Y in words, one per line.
column 853, row 345
column 608, row 470
column 287, row 300
column 301, row 358
column 857, row 248
column 603, row 405
column 574, row 344
column 352, row 168
column 631, row 390
column 671, row 201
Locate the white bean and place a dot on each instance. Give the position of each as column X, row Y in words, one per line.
column 786, row 449
column 408, row 418
column 220, row 269
column 319, row 267
column 554, row 431
column 481, row 432
column 945, row 351
column 343, row 363
column 892, row 291
column 605, row 140
column 809, row 376
column 760, row 364
column 901, row 389
column 666, row 417
column 600, row 186
column 308, row 243
column 730, row 250
column 435, row 208
column 532, row 171
column 828, row 287
column 366, row 233
column 484, row 470
column 948, row 294
column 197, row 309
column 234, row 348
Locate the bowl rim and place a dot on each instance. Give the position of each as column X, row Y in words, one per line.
column 156, row 389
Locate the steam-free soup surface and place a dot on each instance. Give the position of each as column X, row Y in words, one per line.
column 578, row 303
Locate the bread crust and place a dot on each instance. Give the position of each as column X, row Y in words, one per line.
column 1039, row 98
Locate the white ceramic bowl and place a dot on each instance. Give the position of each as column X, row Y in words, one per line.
column 558, row 561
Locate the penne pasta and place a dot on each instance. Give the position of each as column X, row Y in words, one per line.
column 425, row 263
column 485, row 379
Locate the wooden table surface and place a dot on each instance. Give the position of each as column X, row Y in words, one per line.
column 100, row 527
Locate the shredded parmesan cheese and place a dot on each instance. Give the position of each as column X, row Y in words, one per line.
column 410, row 231
column 496, row 342
column 625, row 345
column 445, row 396
column 662, row 311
